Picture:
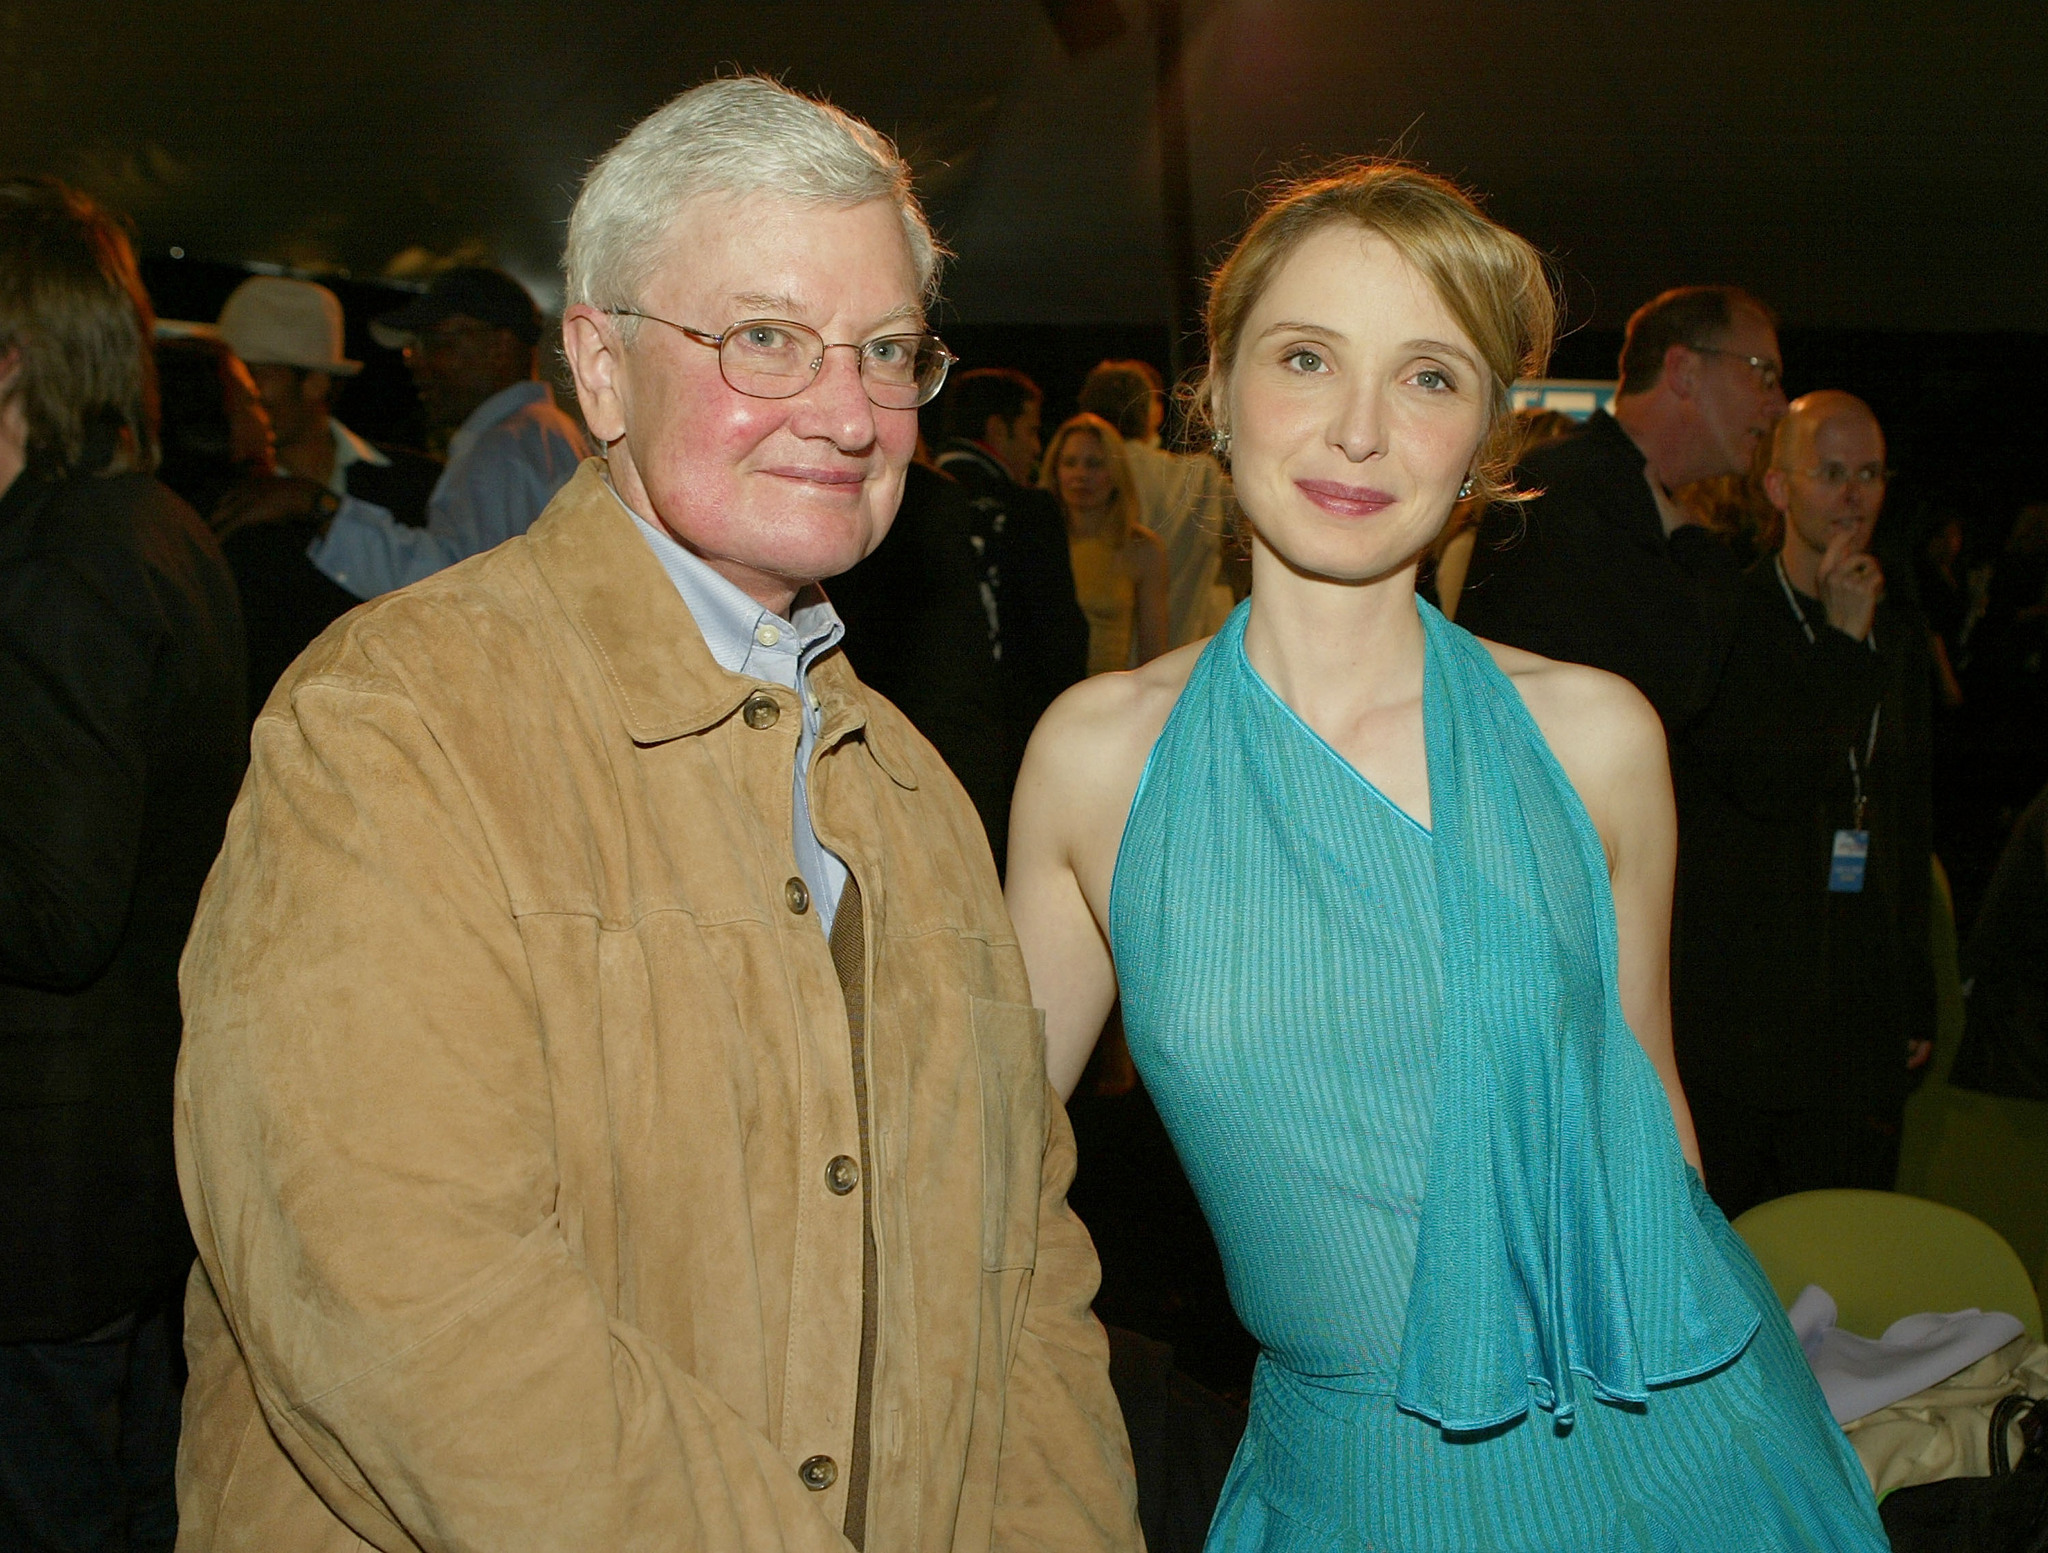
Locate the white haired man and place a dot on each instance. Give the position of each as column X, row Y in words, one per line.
column 612, row 1112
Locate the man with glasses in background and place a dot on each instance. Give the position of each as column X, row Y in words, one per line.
column 1803, row 993
column 1604, row 566
column 472, row 342
column 612, row 1112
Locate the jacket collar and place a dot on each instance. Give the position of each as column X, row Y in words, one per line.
column 664, row 681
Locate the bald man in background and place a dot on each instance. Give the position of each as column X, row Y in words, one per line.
column 1803, row 993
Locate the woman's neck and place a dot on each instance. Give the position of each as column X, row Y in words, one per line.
column 1091, row 522
column 1334, row 650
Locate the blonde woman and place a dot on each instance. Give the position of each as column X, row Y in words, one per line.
column 1119, row 564
column 1389, row 910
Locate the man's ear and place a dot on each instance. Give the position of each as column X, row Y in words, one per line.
column 590, row 341
column 1778, row 490
column 314, row 387
column 995, row 431
column 1681, row 370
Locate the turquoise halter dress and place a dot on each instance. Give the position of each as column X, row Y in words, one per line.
column 1496, row 1308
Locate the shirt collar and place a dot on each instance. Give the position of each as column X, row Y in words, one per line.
column 501, row 406
column 745, row 637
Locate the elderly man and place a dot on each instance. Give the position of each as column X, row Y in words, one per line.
column 472, row 341
column 1181, row 496
column 1803, row 992
column 1603, row 567
column 612, row 1112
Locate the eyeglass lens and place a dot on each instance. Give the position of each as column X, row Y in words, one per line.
column 770, row 359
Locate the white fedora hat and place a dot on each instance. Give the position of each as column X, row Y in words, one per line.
column 272, row 321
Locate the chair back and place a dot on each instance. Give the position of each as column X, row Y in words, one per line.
column 1883, row 1255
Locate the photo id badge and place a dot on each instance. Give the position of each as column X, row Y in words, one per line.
column 1845, row 869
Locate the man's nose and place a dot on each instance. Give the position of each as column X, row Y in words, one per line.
column 838, row 398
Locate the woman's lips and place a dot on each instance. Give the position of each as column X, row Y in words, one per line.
column 1349, row 501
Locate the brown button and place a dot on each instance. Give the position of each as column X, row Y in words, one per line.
column 761, row 710
column 819, row 1473
column 842, row 1174
column 797, row 894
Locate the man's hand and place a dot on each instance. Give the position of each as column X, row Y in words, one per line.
column 1850, row 585
column 271, row 499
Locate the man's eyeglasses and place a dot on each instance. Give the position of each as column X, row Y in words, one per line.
column 1834, row 476
column 1768, row 373
column 772, row 358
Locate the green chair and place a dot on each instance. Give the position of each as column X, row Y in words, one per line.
column 1883, row 1255
column 1984, row 1154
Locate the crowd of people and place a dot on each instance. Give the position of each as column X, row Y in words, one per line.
column 640, row 916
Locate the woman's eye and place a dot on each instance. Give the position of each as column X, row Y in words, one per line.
column 1434, row 379
column 1302, row 359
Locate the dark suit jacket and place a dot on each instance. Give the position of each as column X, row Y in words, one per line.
column 1584, row 573
column 1785, row 993
column 400, row 487
column 1042, row 633
column 920, row 631
column 122, row 743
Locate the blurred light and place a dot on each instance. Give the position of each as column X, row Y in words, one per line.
column 177, row 253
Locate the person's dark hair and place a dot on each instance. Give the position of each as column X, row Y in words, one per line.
column 1123, row 393
column 197, row 438
column 71, row 301
column 1693, row 316
column 972, row 397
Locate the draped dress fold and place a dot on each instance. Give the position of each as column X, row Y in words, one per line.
column 1496, row 1308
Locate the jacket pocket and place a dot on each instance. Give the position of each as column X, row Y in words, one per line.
column 1009, row 1044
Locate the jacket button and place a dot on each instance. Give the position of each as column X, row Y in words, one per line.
column 842, row 1174
column 819, row 1473
column 761, row 710
column 797, row 894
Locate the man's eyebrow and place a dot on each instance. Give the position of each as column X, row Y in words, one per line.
column 781, row 305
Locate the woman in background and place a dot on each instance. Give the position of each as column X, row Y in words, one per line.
column 1119, row 564
column 1389, row 908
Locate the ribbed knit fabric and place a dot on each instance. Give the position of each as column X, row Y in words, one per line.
column 1442, row 1174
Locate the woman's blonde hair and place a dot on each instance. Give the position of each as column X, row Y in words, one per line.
column 1492, row 282
column 1123, row 506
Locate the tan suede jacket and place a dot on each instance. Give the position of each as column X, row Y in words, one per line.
column 520, row 1111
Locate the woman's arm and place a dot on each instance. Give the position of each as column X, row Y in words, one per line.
column 1066, row 953
column 1148, row 565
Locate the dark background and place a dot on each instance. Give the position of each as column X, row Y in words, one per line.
column 1873, row 170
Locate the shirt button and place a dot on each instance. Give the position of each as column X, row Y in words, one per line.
column 819, row 1473
column 766, row 634
column 761, row 710
column 842, row 1174
column 797, row 894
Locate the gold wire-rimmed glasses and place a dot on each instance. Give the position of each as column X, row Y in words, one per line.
column 773, row 358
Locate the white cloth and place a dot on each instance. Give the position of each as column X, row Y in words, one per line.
column 506, row 463
column 1859, row 1375
column 349, row 449
column 1182, row 497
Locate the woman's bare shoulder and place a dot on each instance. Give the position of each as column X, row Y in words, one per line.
column 1604, row 733
column 1111, row 721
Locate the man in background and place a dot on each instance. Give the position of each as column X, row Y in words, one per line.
column 290, row 335
column 1181, row 496
column 472, row 342
column 1603, row 566
column 990, row 420
column 1803, row 993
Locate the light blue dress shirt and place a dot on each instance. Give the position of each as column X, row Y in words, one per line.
column 746, row 638
column 506, row 463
